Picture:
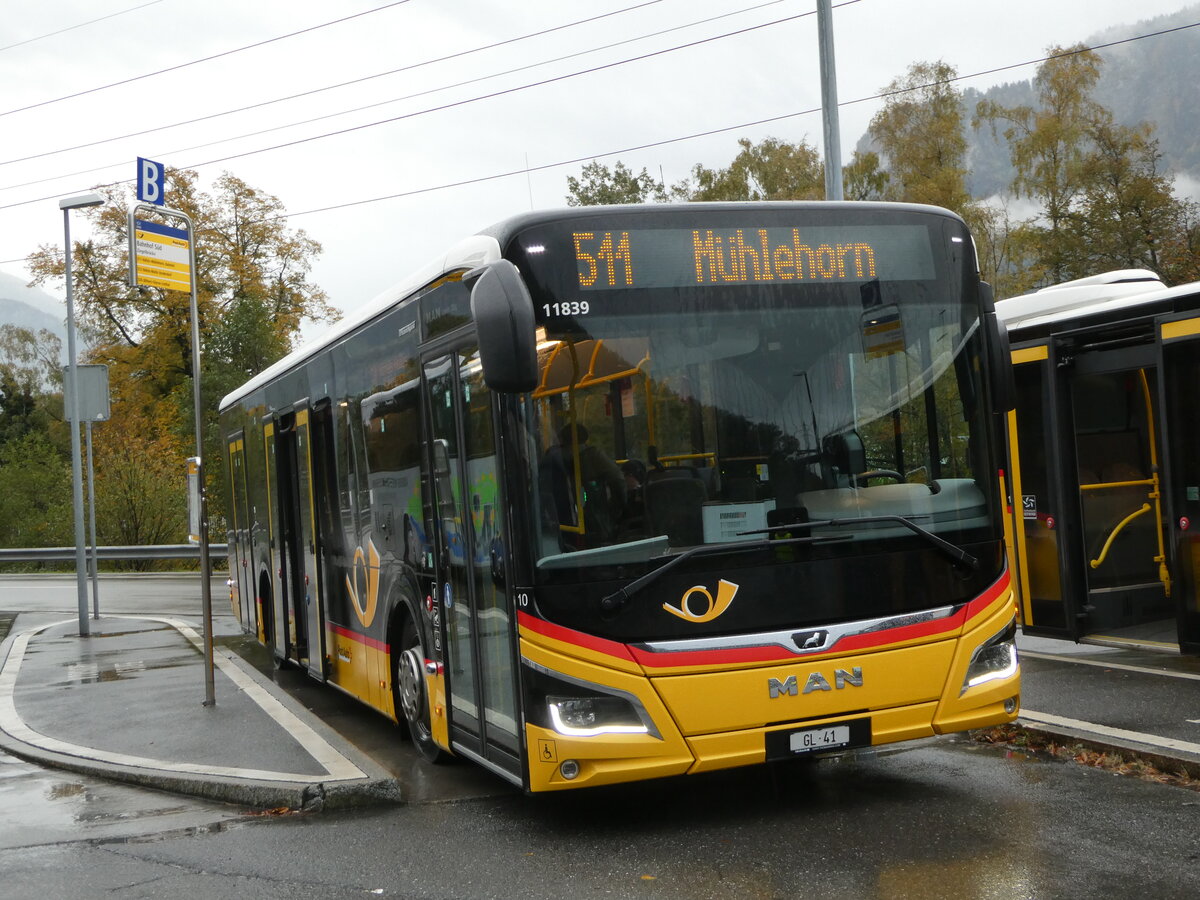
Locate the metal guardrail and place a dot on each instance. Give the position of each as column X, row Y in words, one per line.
column 150, row 551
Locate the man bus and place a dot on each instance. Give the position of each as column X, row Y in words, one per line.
column 806, row 554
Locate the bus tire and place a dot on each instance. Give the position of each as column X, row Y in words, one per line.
column 410, row 694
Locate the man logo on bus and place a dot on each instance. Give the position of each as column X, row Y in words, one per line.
column 815, row 682
column 725, row 593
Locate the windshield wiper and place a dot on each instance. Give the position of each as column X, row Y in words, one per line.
column 956, row 553
column 617, row 599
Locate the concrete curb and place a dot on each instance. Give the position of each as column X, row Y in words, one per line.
column 376, row 788
column 1144, row 752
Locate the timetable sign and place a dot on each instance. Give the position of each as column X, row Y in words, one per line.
column 162, row 256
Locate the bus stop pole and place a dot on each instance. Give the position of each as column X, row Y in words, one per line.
column 210, row 694
column 210, row 697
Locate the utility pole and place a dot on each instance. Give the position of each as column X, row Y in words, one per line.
column 829, row 102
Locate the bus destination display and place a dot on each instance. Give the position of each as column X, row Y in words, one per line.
column 697, row 257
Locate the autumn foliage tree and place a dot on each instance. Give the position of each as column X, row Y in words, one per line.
column 772, row 169
column 921, row 138
column 1103, row 201
column 598, row 185
column 253, row 293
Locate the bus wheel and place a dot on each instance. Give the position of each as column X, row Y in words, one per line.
column 411, row 697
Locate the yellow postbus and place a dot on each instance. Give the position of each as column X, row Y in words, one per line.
column 1103, row 443
column 617, row 493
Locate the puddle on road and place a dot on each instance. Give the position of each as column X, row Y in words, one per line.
column 39, row 805
column 92, row 673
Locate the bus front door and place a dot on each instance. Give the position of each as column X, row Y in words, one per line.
column 469, row 549
column 1118, row 461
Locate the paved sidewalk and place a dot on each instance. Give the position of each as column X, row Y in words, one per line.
column 126, row 702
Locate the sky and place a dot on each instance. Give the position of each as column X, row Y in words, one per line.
column 487, row 109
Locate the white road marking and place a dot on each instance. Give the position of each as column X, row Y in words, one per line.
column 1153, row 740
column 338, row 767
column 1032, row 654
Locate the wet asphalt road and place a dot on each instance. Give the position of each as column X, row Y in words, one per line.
column 939, row 818
column 46, row 807
column 943, row 818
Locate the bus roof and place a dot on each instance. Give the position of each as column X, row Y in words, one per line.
column 470, row 253
column 1083, row 297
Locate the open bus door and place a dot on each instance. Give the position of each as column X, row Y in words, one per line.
column 1115, row 429
column 1179, row 343
column 467, row 530
column 1089, row 466
column 1038, row 487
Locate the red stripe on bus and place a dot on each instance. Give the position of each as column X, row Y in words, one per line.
column 342, row 631
column 988, row 597
column 571, row 636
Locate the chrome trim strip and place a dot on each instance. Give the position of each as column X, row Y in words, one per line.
column 631, row 699
column 816, row 639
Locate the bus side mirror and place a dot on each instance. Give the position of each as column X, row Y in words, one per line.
column 1000, row 369
column 503, row 313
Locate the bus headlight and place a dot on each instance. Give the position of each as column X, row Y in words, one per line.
column 995, row 658
column 574, row 707
column 588, row 716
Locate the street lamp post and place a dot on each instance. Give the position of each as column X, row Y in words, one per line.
column 66, row 205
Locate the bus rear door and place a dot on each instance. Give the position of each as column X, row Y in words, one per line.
column 1113, row 397
column 272, row 590
column 240, row 549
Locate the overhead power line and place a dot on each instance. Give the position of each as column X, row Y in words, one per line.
column 728, row 128
column 506, row 91
column 196, row 62
column 353, row 81
column 50, row 34
column 674, row 140
column 424, row 93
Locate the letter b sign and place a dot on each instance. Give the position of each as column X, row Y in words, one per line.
column 151, row 182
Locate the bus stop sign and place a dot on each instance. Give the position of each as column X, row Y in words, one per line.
column 151, row 181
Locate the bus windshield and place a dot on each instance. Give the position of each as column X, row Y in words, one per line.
column 699, row 386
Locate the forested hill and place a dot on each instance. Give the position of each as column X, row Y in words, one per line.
column 1153, row 80
column 30, row 308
